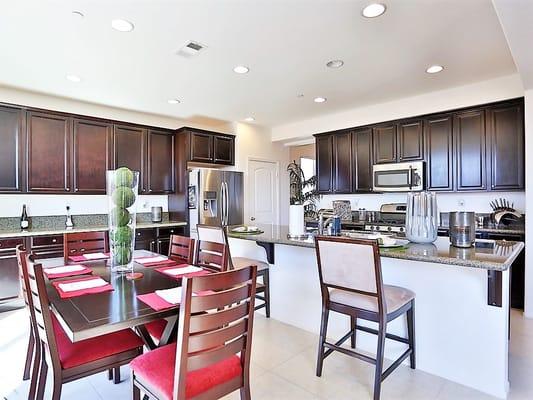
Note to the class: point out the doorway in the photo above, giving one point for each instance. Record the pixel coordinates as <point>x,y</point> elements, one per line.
<point>263,191</point>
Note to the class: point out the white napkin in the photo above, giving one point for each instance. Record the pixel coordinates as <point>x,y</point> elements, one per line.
<point>89,283</point>
<point>94,256</point>
<point>172,296</point>
<point>63,269</point>
<point>182,271</point>
<point>151,259</point>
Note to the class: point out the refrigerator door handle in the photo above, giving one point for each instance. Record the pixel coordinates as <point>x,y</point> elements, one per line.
<point>226,204</point>
<point>222,203</point>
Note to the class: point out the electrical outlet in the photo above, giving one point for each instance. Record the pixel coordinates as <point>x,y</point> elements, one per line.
<point>461,202</point>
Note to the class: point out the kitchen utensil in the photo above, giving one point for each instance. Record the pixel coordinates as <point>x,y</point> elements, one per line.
<point>462,228</point>
<point>421,220</point>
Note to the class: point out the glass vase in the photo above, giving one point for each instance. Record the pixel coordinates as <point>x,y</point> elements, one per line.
<point>421,220</point>
<point>122,192</point>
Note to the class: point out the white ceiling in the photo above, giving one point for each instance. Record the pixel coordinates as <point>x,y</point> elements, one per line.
<point>286,44</point>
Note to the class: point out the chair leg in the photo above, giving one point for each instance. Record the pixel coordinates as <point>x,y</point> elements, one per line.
<point>353,324</point>
<point>136,392</point>
<point>116,375</point>
<point>35,370</point>
<point>110,374</point>
<point>29,356</point>
<point>266,281</point>
<point>58,384</point>
<point>411,334</point>
<point>323,332</point>
<point>43,371</point>
<point>245,393</point>
<point>382,331</point>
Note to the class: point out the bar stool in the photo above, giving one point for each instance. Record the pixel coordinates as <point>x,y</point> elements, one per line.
<point>351,283</point>
<point>218,234</point>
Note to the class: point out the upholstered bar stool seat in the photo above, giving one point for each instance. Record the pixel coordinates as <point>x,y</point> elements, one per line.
<point>395,298</point>
<point>240,262</point>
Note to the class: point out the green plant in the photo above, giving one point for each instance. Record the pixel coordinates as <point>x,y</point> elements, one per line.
<point>298,193</point>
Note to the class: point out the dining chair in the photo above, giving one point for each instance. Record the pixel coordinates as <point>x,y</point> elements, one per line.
<point>351,283</point>
<point>218,234</point>
<point>212,256</point>
<point>80,243</point>
<point>214,326</point>
<point>181,250</point>
<point>71,360</point>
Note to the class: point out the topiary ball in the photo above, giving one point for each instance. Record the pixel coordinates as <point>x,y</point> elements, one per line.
<point>122,236</point>
<point>123,177</point>
<point>122,255</point>
<point>123,197</point>
<point>120,217</point>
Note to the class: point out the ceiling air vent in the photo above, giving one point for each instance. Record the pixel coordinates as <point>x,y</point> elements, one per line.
<point>191,49</point>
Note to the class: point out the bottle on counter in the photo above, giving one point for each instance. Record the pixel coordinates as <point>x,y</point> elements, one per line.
<point>24,221</point>
<point>68,222</point>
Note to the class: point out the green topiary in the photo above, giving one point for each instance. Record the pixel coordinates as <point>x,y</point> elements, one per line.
<point>122,255</point>
<point>123,197</point>
<point>122,235</point>
<point>120,217</point>
<point>123,177</point>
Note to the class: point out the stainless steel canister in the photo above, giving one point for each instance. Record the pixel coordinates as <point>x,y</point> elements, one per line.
<point>157,214</point>
<point>462,228</point>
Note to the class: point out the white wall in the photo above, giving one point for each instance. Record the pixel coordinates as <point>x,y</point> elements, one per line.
<point>463,96</point>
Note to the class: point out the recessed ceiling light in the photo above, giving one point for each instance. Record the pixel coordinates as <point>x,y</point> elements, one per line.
<point>335,63</point>
<point>73,78</point>
<point>78,14</point>
<point>122,25</point>
<point>434,69</point>
<point>320,99</point>
<point>173,101</point>
<point>241,69</point>
<point>374,10</point>
<point>249,119</point>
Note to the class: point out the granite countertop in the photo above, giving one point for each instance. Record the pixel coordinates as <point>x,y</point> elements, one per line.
<point>80,228</point>
<point>487,254</point>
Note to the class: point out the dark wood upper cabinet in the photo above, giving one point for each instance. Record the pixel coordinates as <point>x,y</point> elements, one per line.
<point>324,163</point>
<point>439,152</point>
<point>129,150</point>
<point>48,152</point>
<point>160,173</point>
<point>342,163</point>
<point>411,140</point>
<point>223,149</point>
<point>92,155</point>
<point>505,127</point>
<point>362,160</point>
<point>201,147</point>
<point>11,149</point>
<point>385,144</point>
<point>470,147</point>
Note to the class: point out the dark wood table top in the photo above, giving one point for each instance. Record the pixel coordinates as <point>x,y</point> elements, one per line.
<point>93,315</point>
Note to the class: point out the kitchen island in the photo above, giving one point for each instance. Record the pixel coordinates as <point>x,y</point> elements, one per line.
<point>462,301</point>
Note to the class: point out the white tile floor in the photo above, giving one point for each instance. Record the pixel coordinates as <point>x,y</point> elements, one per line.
<point>283,365</point>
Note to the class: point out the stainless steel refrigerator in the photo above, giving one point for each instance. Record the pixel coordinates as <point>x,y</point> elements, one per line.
<point>215,197</point>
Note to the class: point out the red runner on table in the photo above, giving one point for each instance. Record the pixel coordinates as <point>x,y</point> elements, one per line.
<point>54,275</point>
<point>75,293</point>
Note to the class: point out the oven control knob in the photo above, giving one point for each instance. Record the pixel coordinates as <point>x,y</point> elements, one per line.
<point>389,229</point>
<point>402,229</point>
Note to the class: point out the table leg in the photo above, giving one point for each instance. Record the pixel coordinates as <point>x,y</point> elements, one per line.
<point>170,330</point>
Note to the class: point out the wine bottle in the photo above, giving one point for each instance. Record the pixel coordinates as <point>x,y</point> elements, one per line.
<point>24,222</point>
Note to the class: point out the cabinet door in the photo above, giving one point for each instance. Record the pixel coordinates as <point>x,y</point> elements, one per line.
<point>324,164</point>
<point>439,153</point>
<point>202,147</point>
<point>160,174</point>
<point>129,145</point>
<point>411,140</point>
<point>505,127</point>
<point>362,156</point>
<point>9,272</point>
<point>92,155</point>
<point>163,245</point>
<point>342,162</point>
<point>48,163</point>
<point>384,138</point>
<point>224,150</point>
<point>11,137</point>
<point>470,137</point>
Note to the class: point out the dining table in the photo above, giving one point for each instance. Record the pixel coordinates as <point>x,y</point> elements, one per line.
<point>94,315</point>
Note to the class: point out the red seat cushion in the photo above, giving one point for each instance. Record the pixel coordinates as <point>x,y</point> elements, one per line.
<point>156,328</point>
<point>79,353</point>
<point>157,367</point>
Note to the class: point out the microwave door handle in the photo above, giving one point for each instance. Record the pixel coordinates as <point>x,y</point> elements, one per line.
<point>410,178</point>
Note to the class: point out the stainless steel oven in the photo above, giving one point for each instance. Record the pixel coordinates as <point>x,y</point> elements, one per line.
<point>399,177</point>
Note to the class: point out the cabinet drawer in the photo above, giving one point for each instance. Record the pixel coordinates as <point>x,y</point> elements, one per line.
<point>8,245</point>
<point>167,232</point>
<point>52,240</point>
<point>145,234</point>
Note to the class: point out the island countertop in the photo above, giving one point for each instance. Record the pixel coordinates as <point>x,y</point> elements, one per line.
<point>495,255</point>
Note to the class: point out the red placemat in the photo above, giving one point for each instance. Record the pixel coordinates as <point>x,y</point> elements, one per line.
<point>51,274</point>
<point>83,258</point>
<point>155,301</point>
<point>81,292</point>
<point>189,274</point>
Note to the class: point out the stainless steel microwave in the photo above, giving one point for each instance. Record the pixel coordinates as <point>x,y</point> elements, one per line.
<point>399,177</point>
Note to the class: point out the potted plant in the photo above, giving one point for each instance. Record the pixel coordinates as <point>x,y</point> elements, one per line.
<point>303,198</point>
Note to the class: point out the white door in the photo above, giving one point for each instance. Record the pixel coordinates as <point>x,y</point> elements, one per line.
<point>263,192</point>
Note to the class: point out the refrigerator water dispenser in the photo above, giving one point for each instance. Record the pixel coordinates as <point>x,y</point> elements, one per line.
<point>210,204</point>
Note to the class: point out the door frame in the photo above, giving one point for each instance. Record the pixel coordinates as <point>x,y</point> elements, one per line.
<point>278,185</point>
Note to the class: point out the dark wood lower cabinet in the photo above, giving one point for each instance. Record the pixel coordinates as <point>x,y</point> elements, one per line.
<point>9,276</point>
<point>46,246</point>
<point>156,239</point>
